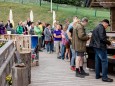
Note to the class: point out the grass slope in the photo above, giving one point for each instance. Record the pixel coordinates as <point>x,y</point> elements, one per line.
<point>21,13</point>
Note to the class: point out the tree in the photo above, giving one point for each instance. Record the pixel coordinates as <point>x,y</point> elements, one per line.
<point>70,2</point>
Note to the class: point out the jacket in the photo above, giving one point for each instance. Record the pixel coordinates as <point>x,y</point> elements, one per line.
<point>79,38</point>
<point>31,31</point>
<point>99,38</point>
<point>47,34</point>
<point>2,29</point>
<point>19,30</point>
<point>37,31</point>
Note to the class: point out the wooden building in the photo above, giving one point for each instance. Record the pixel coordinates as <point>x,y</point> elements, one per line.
<point>106,4</point>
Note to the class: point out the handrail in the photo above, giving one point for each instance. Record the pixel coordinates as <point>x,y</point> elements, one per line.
<point>2,68</point>
<point>7,45</point>
<point>6,60</point>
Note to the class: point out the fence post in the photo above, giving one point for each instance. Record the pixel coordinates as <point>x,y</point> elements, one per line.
<point>22,1</point>
<point>40,2</point>
<point>57,6</point>
<point>77,9</point>
<point>95,12</point>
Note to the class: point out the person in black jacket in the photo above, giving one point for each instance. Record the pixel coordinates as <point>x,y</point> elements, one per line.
<point>99,42</point>
<point>8,25</point>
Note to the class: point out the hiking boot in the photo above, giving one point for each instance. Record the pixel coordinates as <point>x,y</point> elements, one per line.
<point>78,74</point>
<point>82,72</point>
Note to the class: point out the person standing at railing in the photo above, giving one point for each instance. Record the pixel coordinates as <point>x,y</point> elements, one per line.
<point>32,29</point>
<point>25,30</point>
<point>19,29</point>
<point>40,26</point>
<point>38,32</point>
<point>8,25</point>
<point>2,28</point>
<point>28,24</point>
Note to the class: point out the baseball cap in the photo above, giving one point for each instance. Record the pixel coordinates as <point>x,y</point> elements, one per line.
<point>107,21</point>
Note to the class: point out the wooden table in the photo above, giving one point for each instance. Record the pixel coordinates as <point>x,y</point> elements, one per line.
<point>111,60</point>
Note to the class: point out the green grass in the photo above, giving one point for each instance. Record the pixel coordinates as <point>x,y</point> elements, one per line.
<point>21,13</point>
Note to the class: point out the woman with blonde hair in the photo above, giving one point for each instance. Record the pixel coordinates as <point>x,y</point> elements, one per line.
<point>66,42</point>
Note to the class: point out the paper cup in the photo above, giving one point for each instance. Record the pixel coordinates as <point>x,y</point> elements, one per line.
<point>8,32</point>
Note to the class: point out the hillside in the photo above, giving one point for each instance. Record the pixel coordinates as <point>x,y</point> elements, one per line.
<point>21,13</point>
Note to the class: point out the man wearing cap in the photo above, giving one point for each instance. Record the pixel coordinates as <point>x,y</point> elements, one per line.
<point>99,43</point>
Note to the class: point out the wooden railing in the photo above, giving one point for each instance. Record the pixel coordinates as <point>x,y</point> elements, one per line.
<point>6,61</point>
<point>22,42</point>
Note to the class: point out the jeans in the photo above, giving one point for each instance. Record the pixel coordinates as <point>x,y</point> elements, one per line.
<point>63,51</point>
<point>72,63</point>
<point>52,46</point>
<point>48,47</point>
<point>43,42</point>
<point>101,61</point>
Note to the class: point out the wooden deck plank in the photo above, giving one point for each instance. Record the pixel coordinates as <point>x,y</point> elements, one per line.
<point>55,72</point>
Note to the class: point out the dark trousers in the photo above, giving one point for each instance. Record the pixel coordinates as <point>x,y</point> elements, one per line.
<point>101,60</point>
<point>40,43</point>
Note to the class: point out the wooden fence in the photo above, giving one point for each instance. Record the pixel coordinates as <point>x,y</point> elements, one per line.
<point>6,61</point>
<point>22,42</point>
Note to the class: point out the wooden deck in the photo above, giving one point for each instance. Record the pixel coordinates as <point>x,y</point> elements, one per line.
<point>55,72</point>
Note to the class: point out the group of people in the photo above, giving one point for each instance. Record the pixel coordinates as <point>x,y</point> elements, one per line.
<point>69,42</point>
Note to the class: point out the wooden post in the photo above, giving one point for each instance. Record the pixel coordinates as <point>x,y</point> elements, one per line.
<point>112,17</point>
<point>26,59</point>
<point>20,76</point>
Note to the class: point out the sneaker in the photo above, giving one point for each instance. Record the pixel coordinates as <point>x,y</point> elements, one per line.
<point>48,52</point>
<point>59,57</point>
<point>107,80</point>
<point>73,68</point>
<point>84,73</point>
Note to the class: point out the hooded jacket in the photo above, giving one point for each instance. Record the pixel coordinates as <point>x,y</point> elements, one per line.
<point>79,38</point>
